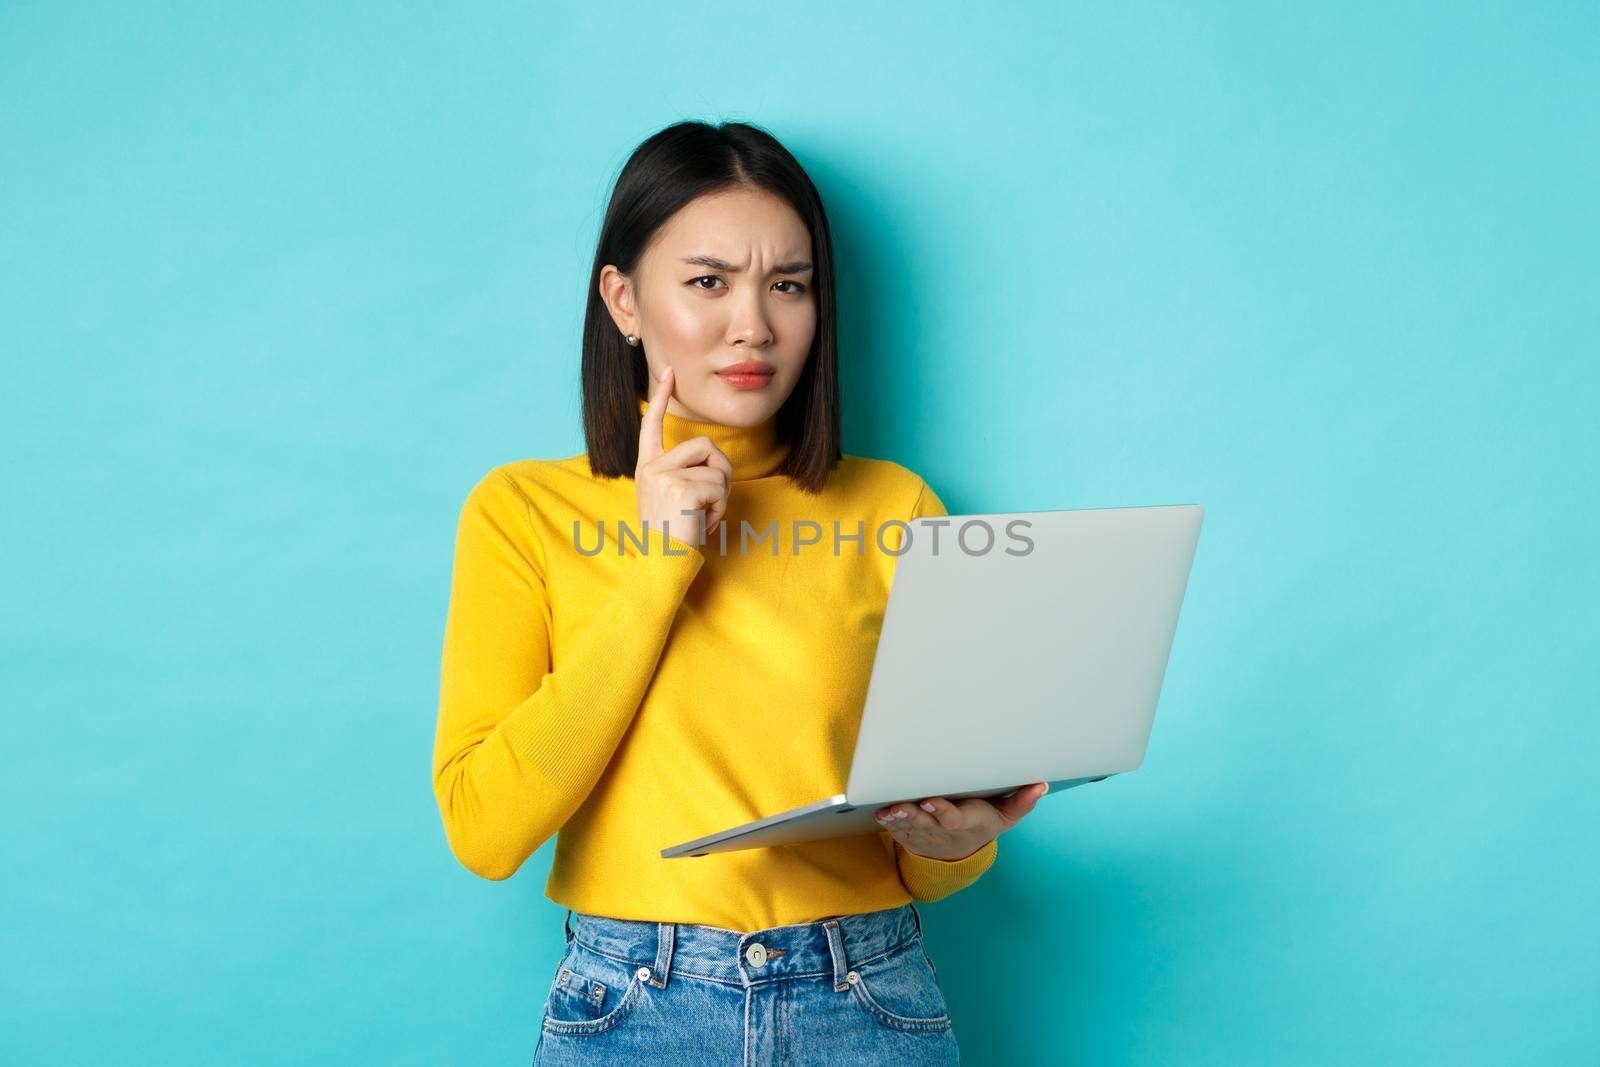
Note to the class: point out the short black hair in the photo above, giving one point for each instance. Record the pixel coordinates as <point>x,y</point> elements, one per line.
<point>668,170</point>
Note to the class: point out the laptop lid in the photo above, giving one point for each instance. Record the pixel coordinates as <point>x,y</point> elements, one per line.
<point>1036,641</point>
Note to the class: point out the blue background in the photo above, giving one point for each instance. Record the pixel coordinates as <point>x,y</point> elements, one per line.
<point>277,286</point>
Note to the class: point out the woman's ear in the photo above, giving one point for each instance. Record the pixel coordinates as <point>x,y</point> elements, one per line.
<point>616,289</point>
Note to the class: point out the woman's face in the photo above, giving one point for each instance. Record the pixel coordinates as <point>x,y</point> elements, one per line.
<point>725,281</point>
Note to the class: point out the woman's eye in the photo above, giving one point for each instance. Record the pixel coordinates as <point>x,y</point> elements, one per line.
<point>798,287</point>
<point>706,278</point>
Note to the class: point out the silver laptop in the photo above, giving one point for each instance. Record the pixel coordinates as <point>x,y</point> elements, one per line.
<point>1021,647</point>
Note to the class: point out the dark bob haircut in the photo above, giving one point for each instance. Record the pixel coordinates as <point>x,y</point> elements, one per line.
<point>680,163</point>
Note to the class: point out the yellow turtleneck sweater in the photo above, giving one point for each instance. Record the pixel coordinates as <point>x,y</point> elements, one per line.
<point>640,697</point>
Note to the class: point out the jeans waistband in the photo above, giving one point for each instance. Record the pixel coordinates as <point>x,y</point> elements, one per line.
<point>828,947</point>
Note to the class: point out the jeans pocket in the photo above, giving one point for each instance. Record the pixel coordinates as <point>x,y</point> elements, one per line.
<point>591,993</point>
<point>900,991</point>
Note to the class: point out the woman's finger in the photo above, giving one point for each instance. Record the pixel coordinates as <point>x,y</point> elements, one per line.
<point>945,813</point>
<point>1014,807</point>
<point>699,451</point>
<point>714,514</point>
<point>913,819</point>
<point>714,475</point>
<point>650,427</point>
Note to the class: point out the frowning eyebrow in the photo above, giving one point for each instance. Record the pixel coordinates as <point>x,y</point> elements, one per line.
<point>796,266</point>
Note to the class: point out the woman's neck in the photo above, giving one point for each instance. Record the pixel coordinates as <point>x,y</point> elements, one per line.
<point>755,451</point>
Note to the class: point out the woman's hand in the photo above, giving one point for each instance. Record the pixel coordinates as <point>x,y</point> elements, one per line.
<point>942,830</point>
<point>693,475</point>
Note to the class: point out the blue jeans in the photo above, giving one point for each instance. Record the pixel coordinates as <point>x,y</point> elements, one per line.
<point>854,989</point>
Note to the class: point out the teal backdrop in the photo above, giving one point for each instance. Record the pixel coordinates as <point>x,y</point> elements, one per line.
<point>279,282</point>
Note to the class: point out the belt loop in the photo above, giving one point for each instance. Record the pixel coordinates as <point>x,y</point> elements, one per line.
<point>665,933</point>
<point>917,915</point>
<point>836,949</point>
<point>566,925</point>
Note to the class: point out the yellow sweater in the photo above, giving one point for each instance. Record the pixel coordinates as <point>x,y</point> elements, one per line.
<point>642,696</point>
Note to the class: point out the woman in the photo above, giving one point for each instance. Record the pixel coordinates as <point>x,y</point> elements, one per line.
<point>672,633</point>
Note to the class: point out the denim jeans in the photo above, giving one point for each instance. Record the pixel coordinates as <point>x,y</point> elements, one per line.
<point>853,989</point>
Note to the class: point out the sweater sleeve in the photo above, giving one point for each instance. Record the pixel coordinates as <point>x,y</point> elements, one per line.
<point>925,878</point>
<point>928,879</point>
<point>520,743</point>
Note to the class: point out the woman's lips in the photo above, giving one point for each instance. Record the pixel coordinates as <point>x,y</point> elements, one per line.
<point>748,375</point>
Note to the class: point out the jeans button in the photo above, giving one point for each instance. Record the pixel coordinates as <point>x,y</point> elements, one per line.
<point>756,954</point>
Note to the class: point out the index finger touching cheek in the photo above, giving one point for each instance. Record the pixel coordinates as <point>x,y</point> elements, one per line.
<point>650,428</point>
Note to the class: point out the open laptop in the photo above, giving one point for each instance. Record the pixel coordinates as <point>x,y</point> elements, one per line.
<point>1039,659</point>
